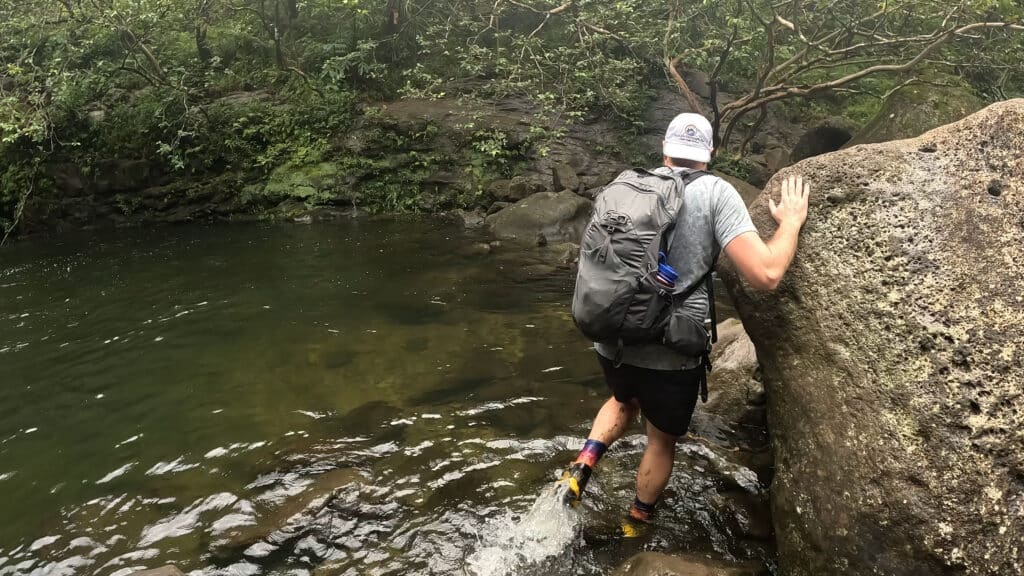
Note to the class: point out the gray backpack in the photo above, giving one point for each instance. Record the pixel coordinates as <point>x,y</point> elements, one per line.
<point>618,299</point>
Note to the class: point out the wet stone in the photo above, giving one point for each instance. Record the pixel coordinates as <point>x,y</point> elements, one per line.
<point>563,177</point>
<point>658,564</point>
<point>285,521</point>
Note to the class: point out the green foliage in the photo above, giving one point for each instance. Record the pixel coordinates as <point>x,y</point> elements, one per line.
<point>17,181</point>
<point>250,86</point>
<point>732,164</point>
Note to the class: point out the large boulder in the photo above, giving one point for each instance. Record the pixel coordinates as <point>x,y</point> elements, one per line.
<point>734,391</point>
<point>915,109</point>
<point>891,357</point>
<point>545,217</point>
<point>747,191</point>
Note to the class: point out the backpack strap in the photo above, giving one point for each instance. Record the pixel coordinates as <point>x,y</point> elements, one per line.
<point>712,311</point>
<point>708,280</point>
<point>685,180</point>
<point>705,359</point>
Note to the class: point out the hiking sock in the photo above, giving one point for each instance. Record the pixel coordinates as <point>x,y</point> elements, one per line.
<point>591,453</point>
<point>641,511</point>
<point>578,473</point>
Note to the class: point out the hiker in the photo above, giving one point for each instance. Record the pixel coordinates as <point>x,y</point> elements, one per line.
<point>658,367</point>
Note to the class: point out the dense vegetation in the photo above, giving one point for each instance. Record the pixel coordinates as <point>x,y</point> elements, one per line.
<point>213,87</point>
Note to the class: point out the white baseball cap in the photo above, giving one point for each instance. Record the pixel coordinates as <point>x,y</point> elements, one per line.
<point>689,137</point>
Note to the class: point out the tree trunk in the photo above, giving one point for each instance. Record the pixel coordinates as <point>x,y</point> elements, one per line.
<point>394,16</point>
<point>203,51</point>
<point>202,46</point>
<point>278,49</point>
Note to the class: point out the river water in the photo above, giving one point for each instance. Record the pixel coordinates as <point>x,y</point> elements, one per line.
<point>364,397</point>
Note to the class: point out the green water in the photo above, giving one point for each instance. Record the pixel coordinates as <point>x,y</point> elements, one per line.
<point>365,397</point>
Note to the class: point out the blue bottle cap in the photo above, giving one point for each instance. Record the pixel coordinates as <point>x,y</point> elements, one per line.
<point>668,272</point>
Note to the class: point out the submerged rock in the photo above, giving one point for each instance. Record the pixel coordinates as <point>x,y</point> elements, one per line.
<point>658,564</point>
<point>559,217</point>
<point>289,519</point>
<point>890,354</point>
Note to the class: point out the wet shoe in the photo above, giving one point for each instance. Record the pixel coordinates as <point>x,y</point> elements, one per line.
<point>633,528</point>
<point>572,483</point>
<point>613,534</point>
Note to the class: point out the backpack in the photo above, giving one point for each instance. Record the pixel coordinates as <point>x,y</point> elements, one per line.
<point>618,299</point>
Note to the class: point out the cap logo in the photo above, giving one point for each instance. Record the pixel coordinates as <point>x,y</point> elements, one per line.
<point>689,136</point>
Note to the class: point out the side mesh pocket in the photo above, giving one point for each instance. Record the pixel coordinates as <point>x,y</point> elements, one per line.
<point>604,288</point>
<point>646,315</point>
<point>686,333</point>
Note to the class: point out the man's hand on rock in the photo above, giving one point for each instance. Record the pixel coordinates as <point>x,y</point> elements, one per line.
<point>792,206</point>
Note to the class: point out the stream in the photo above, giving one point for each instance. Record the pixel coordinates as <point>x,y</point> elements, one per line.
<point>359,397</point>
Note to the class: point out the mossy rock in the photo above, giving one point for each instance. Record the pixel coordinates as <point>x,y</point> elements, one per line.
<point>310,184</point>
<point>916,109</point>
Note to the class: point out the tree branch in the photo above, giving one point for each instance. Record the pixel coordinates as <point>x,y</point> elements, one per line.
<point>553,11</point>
<point>19,211</point>
<point>305,79</point>
<point>691,98</point>
<point>735,110</point>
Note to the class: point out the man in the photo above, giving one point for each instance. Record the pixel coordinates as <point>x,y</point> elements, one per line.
<point>653,379</point>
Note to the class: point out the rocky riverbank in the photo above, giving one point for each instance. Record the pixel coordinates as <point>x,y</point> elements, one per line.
<point>876,429</point>
<point>411,155</point>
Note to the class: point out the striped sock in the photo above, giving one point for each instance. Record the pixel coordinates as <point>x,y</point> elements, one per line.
<point>591,453</point>
<point>641,511</point>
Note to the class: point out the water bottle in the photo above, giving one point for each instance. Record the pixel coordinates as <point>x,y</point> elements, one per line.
<point>666,275</point>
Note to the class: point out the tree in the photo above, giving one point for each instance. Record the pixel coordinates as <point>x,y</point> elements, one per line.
<point>781,49</point>
<point>809,49</point>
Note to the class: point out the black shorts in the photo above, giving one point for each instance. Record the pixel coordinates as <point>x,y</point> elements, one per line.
<point>667,397</point>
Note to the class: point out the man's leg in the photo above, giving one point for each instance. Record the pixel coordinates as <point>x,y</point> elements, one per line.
<point>612,420</point>
<point>653,474</point>
<point>610,424</point>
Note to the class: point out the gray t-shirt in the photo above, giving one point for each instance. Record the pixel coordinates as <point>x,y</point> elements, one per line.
<point>713,214</point>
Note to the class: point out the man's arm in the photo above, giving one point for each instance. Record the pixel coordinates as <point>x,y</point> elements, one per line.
<point>763,264</point>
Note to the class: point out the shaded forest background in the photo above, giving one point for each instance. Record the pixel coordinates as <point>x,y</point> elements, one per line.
<point>208,88</point>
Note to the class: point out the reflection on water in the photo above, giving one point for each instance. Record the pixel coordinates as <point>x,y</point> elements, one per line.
<point>360,398</point>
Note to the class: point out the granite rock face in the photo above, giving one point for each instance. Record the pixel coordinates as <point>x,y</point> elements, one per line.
<point>891,356</point>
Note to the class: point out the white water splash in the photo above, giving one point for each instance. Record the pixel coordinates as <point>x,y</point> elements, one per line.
<point>546,533</point>
<point>116,473</point>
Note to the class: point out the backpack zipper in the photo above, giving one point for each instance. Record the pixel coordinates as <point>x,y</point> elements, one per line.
<point>661,198</point>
